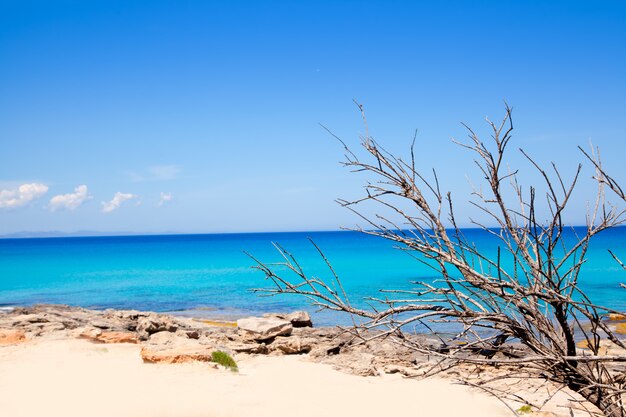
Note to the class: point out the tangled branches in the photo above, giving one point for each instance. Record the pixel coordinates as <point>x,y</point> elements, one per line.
<point>527,293</point>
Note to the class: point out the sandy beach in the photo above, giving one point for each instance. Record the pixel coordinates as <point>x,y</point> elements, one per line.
<point>78,378</point>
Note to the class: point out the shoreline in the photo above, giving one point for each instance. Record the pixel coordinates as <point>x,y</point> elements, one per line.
<point>67,348</point>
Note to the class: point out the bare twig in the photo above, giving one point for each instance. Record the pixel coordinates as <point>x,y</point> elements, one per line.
<point>528,292</point>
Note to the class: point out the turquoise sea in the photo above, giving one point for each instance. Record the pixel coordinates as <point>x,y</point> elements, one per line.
<point>209,275</point>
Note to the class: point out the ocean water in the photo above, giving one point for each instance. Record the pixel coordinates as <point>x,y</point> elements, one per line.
<point>210,275</point>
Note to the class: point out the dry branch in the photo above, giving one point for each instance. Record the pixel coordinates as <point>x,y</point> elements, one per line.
<point>536,302</point>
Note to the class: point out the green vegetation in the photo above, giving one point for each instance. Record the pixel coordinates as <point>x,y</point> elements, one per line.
<point>525,409</point>
<point>225,360</point>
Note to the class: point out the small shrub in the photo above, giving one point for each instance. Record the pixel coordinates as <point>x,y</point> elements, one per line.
<point>224,359</point>
<point>525,409</point>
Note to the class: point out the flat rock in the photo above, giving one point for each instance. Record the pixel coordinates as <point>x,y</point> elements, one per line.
<point>101,324</point>
<point>297,318</point>
<point>263,328</point>
<point>26,319</point>
<point>11,336</point>
<point>38,329</point>
<point>97,335</point>
<point>250,348</point>
<point>292,345</point>
<point>118,337</point>
<point>126,315</point>
<point>168,347</point>
<point>181,354</point>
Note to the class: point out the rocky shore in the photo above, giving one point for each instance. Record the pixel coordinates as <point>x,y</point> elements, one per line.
<point>170,339</point>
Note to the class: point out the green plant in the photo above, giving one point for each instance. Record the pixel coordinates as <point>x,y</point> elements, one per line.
<point>525,409</point>
<point>224,359</point>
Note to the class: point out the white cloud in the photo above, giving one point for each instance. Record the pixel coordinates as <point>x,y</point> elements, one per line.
<point>165,197</point>
<point>117,201</point>
<point>23,195</point>
<point>69,201</point>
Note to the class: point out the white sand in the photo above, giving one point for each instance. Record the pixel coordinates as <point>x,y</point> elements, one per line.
<point>76,378</point>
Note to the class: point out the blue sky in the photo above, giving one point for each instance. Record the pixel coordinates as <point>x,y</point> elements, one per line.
<point>199,116</point>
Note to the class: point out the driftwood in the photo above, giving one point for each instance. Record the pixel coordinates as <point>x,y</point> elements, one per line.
<point>527,293</point>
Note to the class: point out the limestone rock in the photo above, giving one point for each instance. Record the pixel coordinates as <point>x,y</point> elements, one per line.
<point>97,335</point>
<point>300,319</point>
<point>166,338</point>
<point>191,334</point>
<point>45,328</point>
<point>297,318</point>
<point>291,345</point>
<point>90,333</point>
<point>182,354</point>
<point>263,328</point>
<point>26,319</point>
<point>125,315</point>
<point>402,370</point>
<point>118,337</point>
<point>101,324</point>
<point>168,347</point>
<point>363,365</point>
<point>328,341</point>
<point>153,324</point>
<point>123,319</point>
<point>11,336</point>
<point>257,348</point>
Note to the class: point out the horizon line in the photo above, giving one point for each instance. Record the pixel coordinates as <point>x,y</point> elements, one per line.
<point>90,233</point>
